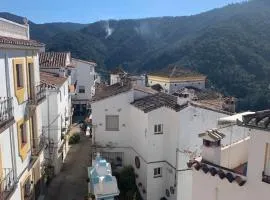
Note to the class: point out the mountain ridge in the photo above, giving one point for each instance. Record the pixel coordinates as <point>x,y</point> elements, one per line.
<point>230,45</point>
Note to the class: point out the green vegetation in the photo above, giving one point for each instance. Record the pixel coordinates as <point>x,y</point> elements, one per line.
<point>127,184</point>
<point>230,45</point>
<point>74,139</point>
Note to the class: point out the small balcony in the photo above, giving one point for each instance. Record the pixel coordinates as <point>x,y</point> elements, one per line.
<point>38,145</point>
<point>265,178</point>
<point>6,112</point>
<point>7,184</point>
<point>38,94</point>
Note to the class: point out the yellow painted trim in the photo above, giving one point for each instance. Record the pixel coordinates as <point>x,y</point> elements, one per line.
<point>176,79</point>
<point>27,176</point>
<point>19,92</point>
<point>29,60</point>
<point>23,149</point>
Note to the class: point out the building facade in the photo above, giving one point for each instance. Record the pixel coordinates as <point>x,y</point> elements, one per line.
<point>237,171</point>
<point>21,96</point>
<point>85,78</point>
<point>56,118</point>
<point>174,79</point>
<point>154,132</point>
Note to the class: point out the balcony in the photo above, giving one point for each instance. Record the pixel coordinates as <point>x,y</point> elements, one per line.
<point>38,94</point>
<point>7,183</point>
<point>6,112</point>
<point>265,178</point>
<point>38,145</point>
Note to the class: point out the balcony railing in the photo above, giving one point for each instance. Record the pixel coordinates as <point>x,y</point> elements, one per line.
<point>265,178</point>
<point>7,184</point>
<point>38,94</point>
<point>38,145</point>
<point>6,110</point>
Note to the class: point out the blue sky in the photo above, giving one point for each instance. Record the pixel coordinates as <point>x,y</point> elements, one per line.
<point>41,11</point>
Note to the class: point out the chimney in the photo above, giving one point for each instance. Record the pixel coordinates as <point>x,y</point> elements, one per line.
<point>229,104</point>
<point>62,72</point>
<point>211,150</point>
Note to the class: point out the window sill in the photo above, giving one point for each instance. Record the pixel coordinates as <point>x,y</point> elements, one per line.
<point>157,176</point>
<point>112,130</point>
<point>158,133</point>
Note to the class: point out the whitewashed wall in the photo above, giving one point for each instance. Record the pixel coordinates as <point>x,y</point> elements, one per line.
<point>85,74</point>
<point>115,105</point>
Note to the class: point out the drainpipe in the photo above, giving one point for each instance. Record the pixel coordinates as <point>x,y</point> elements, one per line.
<point>11,128</point>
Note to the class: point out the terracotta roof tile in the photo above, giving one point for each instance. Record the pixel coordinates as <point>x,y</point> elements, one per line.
<point>20,42</point>
<point>112,90</point>
<point>53,59</point>
<point>52,79</point>
<point>150,103</point>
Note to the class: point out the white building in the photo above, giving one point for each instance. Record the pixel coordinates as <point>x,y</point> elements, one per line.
<point>117,75</point>
<point>84,77</point>
<point>101,182</point>
<point>173,79</point>
<point>56,117</point>
<point>154,132</point>
<point>240,171</point>
<point>21,97</point>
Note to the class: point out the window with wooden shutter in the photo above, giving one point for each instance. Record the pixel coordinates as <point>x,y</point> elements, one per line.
<point>112,123</point>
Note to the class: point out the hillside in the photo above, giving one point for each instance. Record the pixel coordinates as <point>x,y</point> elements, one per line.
<point>231,45</point>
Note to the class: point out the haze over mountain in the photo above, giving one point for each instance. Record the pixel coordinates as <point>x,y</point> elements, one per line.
<point>231,45</point>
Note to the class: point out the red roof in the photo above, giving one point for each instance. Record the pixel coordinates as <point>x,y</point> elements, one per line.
<point>20,42</point>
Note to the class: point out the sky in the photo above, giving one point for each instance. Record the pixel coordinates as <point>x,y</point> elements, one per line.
<point>87,11</point>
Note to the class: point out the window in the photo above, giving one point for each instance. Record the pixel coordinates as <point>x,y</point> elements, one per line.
<point>81,89</point>
<point>27,188</point>
<point>157,172</point>
<point>23,134</point>
<point>19,75</point>
<point>69,72</point>
<point>112,123</point>
<point>158,129</point>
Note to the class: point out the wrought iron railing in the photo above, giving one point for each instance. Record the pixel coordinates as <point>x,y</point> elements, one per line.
<point>38,144</point>
<point>265,178</point>
<point>38,94</point>
<point>7,184</point>
<point>6,110</point>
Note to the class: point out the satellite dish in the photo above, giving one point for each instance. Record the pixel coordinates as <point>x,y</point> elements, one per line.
<point>25,21</point>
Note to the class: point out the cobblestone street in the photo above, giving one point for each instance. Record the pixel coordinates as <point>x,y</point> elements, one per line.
<point>70,183</point>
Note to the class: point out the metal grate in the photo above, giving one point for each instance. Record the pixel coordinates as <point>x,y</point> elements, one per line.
<point>6,109</point>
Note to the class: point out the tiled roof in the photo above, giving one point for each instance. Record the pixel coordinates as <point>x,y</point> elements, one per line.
<point>52,79</point>
<point>20,42</point>
<point>212,135</point>
<point>218,171</point>
<point>173,72</point>
<point>208,99</point>
<point>260,119</point>
<point>144,89</point>
<point>53,59</point>
<point>112,90</point>
<point>150,103</point>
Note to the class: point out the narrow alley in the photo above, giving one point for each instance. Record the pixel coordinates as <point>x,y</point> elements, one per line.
<point>70,183</point>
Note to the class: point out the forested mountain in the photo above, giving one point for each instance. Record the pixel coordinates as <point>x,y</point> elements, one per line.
<point>231,45</point>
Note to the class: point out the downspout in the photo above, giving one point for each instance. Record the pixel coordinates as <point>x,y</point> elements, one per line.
<point>11,128</point>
